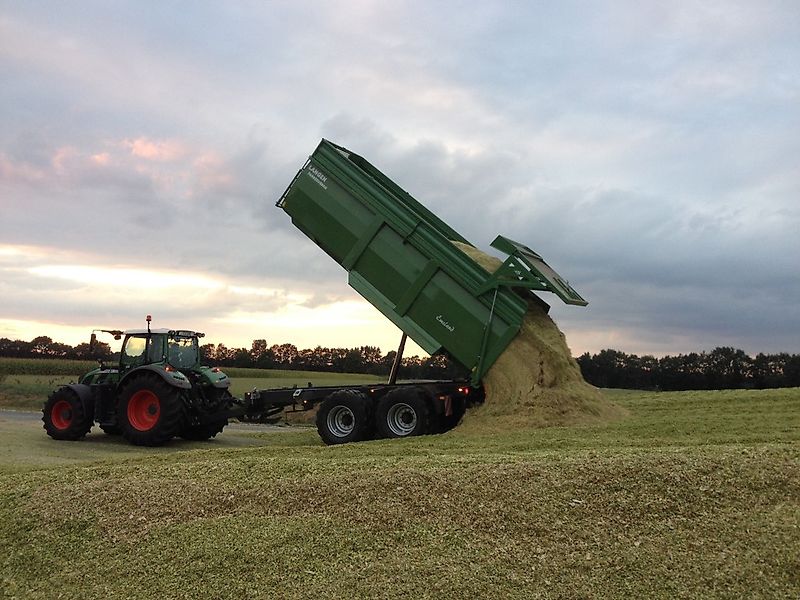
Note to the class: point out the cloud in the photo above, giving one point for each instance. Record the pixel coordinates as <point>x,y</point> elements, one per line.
<point>156,150</point>
<point>647,151</point>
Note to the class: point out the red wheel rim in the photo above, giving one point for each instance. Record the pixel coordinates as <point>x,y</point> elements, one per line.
<point>144,408</point>
<point>61,414</point>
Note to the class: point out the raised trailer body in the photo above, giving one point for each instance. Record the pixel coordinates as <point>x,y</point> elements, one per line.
<point>401,258</point>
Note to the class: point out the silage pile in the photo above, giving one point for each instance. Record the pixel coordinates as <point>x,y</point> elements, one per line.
<point>535,382</point>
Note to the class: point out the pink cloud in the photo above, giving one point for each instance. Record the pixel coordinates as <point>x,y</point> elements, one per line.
<point>11,171</point>
<point>155,150</point>
<point>211,172</point>
<point>102,159</point>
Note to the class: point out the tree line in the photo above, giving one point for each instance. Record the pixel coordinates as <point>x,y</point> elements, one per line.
<point>722,368</point>
<point>363,359</point>
<point>260,355</point>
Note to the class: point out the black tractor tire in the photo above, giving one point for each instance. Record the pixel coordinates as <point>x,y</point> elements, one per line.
<point>344,417</point>
<point>444,423</point>
<point>65,417</point>
<point>150,411</point>
<point>403,412</point>
<point>111,429</point>
<point>200,433</point>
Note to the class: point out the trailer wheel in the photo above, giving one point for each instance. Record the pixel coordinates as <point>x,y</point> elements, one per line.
<point>344,417</point>
<point>150,411</point>
<point>403,412</point>
<point>65,417</point>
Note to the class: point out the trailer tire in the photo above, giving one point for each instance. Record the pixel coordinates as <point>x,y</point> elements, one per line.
<point>150,411</point>
<point>344,417</point>
<point>65,417</point>
<point>403,412</point>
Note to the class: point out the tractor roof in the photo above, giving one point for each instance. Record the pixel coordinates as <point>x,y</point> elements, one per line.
<point>181,332</point>
<point>141,331</point>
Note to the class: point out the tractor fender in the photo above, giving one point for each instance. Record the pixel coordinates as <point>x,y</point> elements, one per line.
<point>173,378</point>
<point>214,377</point>
<point>84,393</point>
<point>222,385</point>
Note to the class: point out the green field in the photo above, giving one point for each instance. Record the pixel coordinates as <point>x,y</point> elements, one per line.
<point>694,495</point>
<point>26,383</point>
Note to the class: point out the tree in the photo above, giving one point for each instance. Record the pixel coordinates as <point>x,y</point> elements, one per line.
<point>727,368</point>
<point>285,354</point>
<point>83,351</point>
<point>241,357</point>
<point>261,355</point>
<point>207,353</point>
<point>40,346</point>
<point>791,371</point>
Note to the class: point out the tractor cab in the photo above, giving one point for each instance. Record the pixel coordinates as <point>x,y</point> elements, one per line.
<point>173,354</point>
<point>178,349</point>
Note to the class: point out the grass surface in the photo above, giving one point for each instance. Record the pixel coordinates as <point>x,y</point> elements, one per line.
<point>693,495</point>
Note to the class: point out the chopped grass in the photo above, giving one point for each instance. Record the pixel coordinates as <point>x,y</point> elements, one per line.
<point>695,494</point>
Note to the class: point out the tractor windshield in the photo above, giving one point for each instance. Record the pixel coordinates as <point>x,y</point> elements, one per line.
<point>183,352</point>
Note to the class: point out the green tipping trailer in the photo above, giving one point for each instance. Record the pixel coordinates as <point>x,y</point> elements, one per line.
<point>401,258</point>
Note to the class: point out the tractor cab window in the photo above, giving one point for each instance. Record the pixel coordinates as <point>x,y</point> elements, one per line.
<point>133,351</point>
<point>156,351</point>
<point>183,352</point>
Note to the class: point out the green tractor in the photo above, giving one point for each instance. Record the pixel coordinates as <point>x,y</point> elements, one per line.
<point>158,390</point>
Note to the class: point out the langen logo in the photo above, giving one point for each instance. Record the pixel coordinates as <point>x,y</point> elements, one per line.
<point>318,176</point>
<point>446,325</point>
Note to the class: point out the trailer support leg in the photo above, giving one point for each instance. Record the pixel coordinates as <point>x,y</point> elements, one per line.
<point>397,360</point>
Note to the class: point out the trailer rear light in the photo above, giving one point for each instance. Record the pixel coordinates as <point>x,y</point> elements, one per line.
<point>215,369</point>
<point>463,390</point>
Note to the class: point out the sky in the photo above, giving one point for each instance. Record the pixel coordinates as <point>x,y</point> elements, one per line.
<point>649,151</point>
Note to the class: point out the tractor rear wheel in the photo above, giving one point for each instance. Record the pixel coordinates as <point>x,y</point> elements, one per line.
<point>344,417</point>
<point>150,411</point>
<point>65,417</point>
<point>403,412</point>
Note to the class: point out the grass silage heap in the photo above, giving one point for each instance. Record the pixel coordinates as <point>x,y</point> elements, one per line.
<point>535,382</point>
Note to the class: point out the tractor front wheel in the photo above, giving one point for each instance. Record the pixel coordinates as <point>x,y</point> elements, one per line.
<point>150,411</point>
<point>200,433</point>
<point>65,417</point>
<point>206,431</point>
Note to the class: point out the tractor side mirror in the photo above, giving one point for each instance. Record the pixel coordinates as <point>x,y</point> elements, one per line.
<point>92,342</point>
